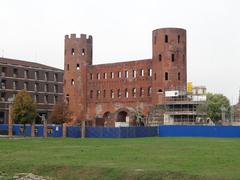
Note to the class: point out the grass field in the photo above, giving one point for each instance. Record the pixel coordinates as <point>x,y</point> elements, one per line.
<point>141,158</point>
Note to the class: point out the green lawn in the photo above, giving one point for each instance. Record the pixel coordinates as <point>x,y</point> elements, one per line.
<point>141,158</point>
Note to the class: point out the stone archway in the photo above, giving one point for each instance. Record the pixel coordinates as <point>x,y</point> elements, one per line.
<point>122,116</point>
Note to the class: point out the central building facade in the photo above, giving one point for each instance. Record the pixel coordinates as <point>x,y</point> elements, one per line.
<point>108,93</point>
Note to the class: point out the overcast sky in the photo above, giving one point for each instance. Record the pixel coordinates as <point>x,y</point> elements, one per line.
<point>34,31</point>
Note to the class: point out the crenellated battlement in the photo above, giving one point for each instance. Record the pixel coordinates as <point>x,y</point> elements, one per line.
<point>82,36</point>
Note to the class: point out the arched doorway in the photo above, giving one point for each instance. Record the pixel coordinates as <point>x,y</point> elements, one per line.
<point>121,116</point>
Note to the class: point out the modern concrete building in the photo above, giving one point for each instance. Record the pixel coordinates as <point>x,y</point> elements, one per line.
<point>44,83</point>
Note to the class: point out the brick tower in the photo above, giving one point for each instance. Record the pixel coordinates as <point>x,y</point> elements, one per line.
<point>168,61</point>
<point>77,57</point>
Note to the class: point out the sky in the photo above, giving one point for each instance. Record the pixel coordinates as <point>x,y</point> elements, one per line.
<point>34,31</point>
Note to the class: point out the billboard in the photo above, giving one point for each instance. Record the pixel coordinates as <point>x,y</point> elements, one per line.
<point>171,93</point>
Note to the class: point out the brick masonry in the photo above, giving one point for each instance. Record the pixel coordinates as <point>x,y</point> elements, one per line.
<point>107,93</point>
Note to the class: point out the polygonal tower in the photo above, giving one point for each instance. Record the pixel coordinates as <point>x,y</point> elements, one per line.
<point>78,55</point>
<point>168,61</point>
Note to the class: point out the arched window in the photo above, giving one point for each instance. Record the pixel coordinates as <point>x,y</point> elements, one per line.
<point>166,76</point>
<point>134,92</point>
<point>126,93</point>
<point>72,51</point>
<point>166,38</point>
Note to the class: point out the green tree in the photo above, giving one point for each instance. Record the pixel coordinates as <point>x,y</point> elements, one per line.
<point>60,113</point>
<point>214,106</point>
<point>24,110</point>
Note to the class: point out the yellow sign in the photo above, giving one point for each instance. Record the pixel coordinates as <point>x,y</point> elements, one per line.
<point>189,87</point>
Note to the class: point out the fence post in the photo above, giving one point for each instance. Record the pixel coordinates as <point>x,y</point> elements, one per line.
<point>45,128</point>
<point>10,122</point>
<point>83,128</point>
<point>33,129</point>
<point>64,131</point>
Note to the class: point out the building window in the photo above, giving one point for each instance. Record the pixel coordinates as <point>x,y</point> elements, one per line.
<point>67,98</point>
<point>112,75</point>
<point>119,74</point>
<point>126,93</point>
<point>104,93</point>
<point>26,74</point>
<point>98,93</point>
<point>178,38</point>
<point>173,58</point>
<point>105,75</point>
<point>119,94</point>
<point>55,88</point>
<point>150,72</point>
<point>55,77</point>
<point>72,82</point>
<point>15,73</point>
<point>179,76</point>
<point>166,76</point>
<point>3,96</point>
<point>46,88</point>
<point>68,67</point>
<point>160,90</point>
<point>141,92</point>
<point>46,76</point>
<point>3,84</point>
<point>14,85</point>
<point>83,52</point>
<point>36,87</point>
<point>46,99</point>
<point>72,52</point>
<point>141,72</point>
<point>166,38</point>
<point>160,57</point>
<point>25,86</point>
<point>4,70</point>
<point>36,75</point>
<point>91,94</point>
<point>55,99</point>
<point>112,94</point>
<point>134,92</point>
<point>149,91</point>
<point>134,73</point>
<point>98,76</point>
<point>126,74</point>
<point>78,67</point>
<point>91,76</point>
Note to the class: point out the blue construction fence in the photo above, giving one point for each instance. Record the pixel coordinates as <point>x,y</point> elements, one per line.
<point>128,132</point>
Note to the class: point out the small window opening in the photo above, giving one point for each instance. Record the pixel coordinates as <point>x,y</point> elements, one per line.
<point>112,94</point>
<point>134,73</point>
<point>112,75</point>
<point>91,76</point>
<point>179,76</point>
<point>160,90</point>
<point>67,98</point>
<point>105,75</point>
<point>160,57</point>
<point>83,52</point>
<point>166,38</point>
<point>141,92</point>
<point>119,74</point>
<point>98,93</point>
<point>173,57</point>
<point>119,94</point>
<point>126,74</point>
<point>68,67</point>
<point>98,76</point>
<point>150,72</point>
<point>126,93</point>
<point>78,67</point>
<point>72,82</point>
<point>178,38</point>
<point>166,76</point>
<point>141,72</point>
<point>72,51</point>
<point>134,92</point>
<point>149,91</point>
